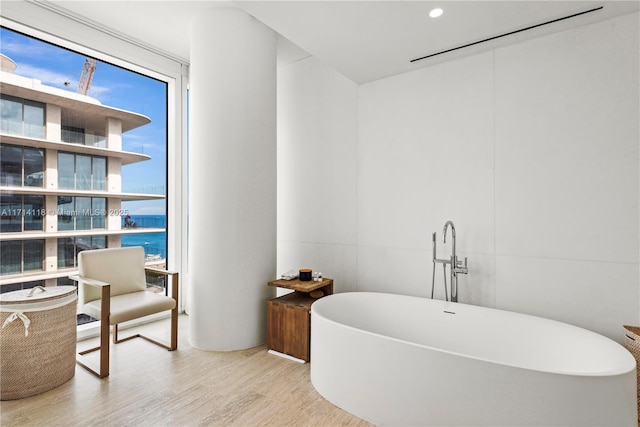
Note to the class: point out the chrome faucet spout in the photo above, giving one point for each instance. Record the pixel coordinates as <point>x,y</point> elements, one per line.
<point>453,235</point>
<point>444,231</point>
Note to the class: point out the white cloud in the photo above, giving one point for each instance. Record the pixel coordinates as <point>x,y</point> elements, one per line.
<point>140,144</point>
<point>97,91</point>
<point>59,80</point>
<point>67,81</point>
<point>31,49</point>
<point>47,77</point>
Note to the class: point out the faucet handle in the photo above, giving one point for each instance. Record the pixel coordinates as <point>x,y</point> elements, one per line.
<point>459,268</point>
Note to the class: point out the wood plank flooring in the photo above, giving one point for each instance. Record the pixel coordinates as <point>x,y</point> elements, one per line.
<point>149,386</point>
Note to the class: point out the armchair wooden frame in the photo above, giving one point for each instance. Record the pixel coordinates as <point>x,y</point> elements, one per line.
<point>102,370</point>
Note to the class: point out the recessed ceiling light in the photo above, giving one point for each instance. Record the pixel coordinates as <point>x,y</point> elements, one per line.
<point>435,12</point>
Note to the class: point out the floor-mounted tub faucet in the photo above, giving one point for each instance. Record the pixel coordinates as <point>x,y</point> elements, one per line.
<point>456,267</point>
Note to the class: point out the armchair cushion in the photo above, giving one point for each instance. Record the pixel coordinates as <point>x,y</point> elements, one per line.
<point>131,306</point>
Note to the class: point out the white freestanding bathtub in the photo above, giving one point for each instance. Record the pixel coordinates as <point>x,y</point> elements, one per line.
<point>400,360</point>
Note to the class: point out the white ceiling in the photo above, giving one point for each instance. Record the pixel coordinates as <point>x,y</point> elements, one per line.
<point>364,40</point>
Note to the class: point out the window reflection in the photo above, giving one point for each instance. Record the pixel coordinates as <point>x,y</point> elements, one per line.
<point>21,213</point>
<point>70,247</point>
<point>21,117</point>
<point>21,255</point>
<point>66,171</point>
<point>11,113</point>
<point>10,257</point>
<point>15,159</point>
<point>76,135</point>
<point>99,173</point>
<point>33,209</point>
<point>33,254</point>
<point>81,213</point>
<point>33,119</point>
<point>33,167</point>
<point>98,212</point>
<point>10,165</point>
<point>82,172</point>
<point>10,218</point>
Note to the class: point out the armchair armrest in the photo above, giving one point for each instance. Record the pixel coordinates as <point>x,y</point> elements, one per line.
<point>88,281</point>
<point>160,271</point>
<point>174,281</point>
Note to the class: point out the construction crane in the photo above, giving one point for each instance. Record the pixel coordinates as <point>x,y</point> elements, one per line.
<point>87,76</point>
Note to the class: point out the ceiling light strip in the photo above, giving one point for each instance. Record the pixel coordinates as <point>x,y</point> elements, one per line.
<point>509,33</point>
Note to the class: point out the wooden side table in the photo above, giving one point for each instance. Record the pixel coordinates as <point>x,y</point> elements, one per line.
<point>289,317</point>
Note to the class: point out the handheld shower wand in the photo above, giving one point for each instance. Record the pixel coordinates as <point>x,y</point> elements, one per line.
<point>433,274</point>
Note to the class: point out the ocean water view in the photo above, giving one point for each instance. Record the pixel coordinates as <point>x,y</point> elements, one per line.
<point>154,244</point>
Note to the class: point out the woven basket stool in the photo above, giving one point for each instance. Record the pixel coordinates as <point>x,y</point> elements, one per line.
<point>37,340</point>
<point>632,343</point>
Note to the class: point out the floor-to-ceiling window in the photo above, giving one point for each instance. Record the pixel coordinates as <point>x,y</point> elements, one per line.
<point>109,182</point>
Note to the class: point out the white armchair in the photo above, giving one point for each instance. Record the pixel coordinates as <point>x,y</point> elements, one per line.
<point>112,288</point>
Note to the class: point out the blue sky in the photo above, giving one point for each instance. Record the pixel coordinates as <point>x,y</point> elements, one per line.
<point>112,86</point>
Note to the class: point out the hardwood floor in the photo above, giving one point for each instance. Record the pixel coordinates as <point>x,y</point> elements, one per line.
<point>149,386</point>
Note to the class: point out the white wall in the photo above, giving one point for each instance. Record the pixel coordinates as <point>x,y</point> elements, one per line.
<point>316,172</point>
<point>532,150</point>
<point>567,176</point>
<point>425,155</point>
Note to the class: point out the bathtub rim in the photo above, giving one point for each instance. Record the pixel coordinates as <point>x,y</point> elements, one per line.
<point>611,373</point>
